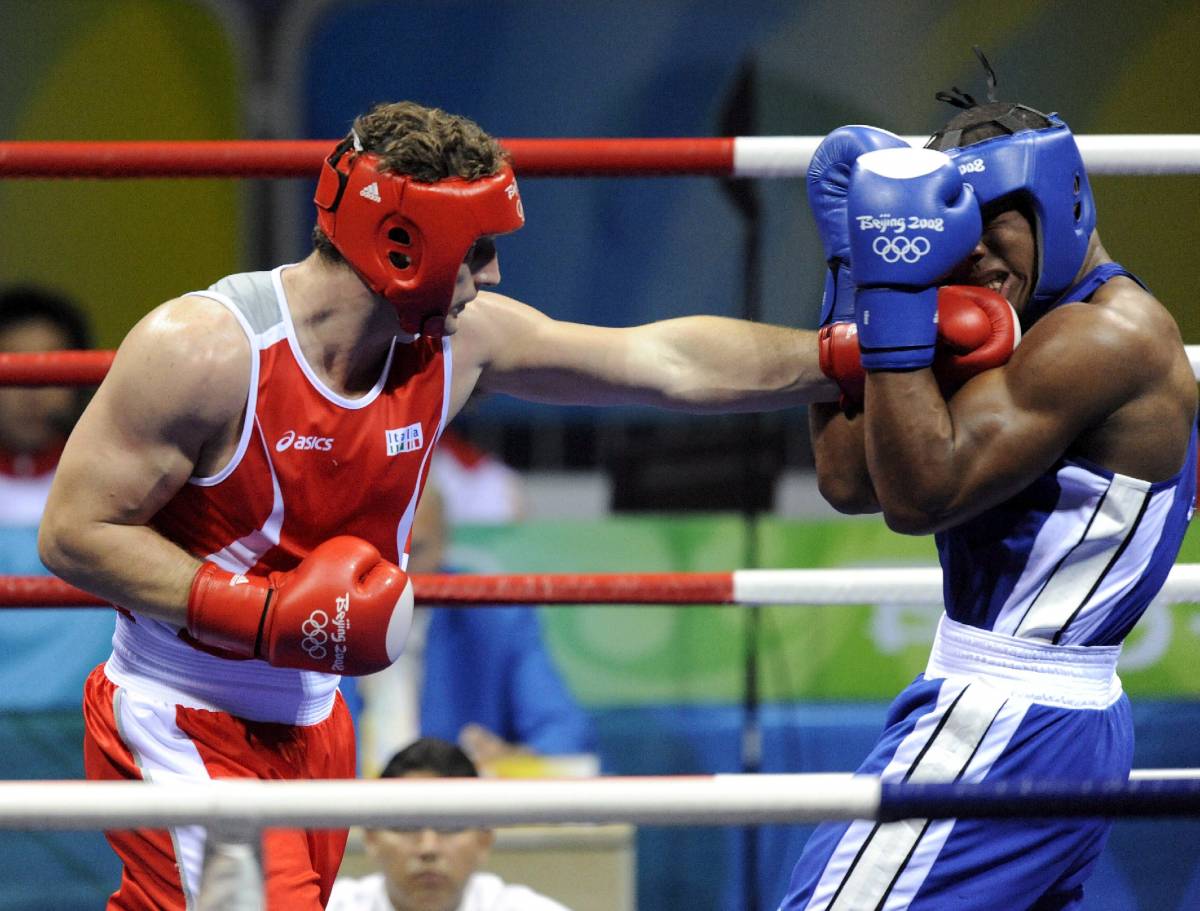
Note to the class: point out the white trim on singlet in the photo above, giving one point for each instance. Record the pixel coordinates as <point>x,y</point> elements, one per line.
<point>242,554</point>
<point>1081,569</point>
<point>256,346</point>
<point>294,343</point>
<point>406,520</point>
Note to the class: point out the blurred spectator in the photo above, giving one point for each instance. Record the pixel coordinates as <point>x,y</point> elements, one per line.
<point>481,676</point>
<point>35,420</point>
<point>432,869</point>
<point>34,423</point>
<point>476,486</point>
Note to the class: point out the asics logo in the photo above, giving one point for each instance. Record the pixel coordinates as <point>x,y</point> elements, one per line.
<point>292,440</point>
<point>894,249</point>
<point>315,636</point>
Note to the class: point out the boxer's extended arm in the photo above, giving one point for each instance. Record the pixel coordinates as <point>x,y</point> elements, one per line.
<point>936,464</point>
<point>179,379</point>
<point>697,363</point>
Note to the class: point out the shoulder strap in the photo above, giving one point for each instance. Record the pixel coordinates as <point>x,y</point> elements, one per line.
<point>1087,286</point>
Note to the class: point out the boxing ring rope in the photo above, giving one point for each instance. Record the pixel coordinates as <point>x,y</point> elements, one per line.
<point>251,805</point>
<point>888,586</point>
<point>739,156</point>
<point>87,368</point>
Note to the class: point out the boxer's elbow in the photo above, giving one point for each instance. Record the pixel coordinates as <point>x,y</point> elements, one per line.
<point>907,521</point>
<point>52,548</point>
<point>62,544</point>
<point>850,494</point>
<point>909,510</point>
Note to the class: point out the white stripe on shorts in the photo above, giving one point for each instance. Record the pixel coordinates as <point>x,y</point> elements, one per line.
<point>875,865</point>
<point>164,753</point>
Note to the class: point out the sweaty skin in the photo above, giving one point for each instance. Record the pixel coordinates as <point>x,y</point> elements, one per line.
<point>1107,380</point>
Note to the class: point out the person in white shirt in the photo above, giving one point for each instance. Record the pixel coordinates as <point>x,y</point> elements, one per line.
<point>432,869</point>
<point>477,487</point>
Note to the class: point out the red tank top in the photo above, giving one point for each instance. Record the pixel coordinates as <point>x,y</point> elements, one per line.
<point>309,465</point>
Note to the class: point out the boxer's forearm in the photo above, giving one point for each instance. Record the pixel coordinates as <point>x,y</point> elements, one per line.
<point>910,449</point>
<point>841,459</point>
<point>131,566</point>
<point>718,364</point>
<point>695,363</point>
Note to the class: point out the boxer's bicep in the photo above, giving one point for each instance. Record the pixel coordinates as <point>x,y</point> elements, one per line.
<point>936,467</point>
<point>179,379</point>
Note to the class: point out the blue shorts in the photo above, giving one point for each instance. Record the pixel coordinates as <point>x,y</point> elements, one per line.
<point>965,729</point>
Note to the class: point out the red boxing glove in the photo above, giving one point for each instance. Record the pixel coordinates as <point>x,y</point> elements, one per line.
<point>343,610</point>
<point>840,360</point>
<point>977,330</point>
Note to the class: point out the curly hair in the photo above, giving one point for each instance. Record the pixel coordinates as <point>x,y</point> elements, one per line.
<point>424,143</point>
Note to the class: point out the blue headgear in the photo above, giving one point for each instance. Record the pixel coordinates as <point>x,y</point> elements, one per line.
<point>1043,166</point>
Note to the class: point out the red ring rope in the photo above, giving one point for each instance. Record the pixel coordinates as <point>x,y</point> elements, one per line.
<point>301,158</point>
<point>55,368</point>
<point>545,588</point>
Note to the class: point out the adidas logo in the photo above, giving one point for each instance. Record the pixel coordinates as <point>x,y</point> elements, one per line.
<point>239,579</point>
<point>371,192</point>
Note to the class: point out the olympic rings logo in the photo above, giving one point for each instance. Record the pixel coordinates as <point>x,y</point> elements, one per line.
<point>315,636</point>
<point>894,249</point>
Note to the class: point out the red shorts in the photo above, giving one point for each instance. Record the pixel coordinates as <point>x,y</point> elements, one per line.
<point>128,736</point>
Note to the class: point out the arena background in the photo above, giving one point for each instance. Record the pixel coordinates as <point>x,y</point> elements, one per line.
<point>668,687</point>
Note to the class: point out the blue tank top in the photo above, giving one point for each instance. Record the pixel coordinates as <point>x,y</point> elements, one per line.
<point>1076,557</point>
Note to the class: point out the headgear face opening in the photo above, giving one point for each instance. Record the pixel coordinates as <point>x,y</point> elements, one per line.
<point>406,239</point>
<point>1044,167</point>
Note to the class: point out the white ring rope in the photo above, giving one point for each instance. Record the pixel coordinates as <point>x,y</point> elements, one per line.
<point>437,802</point>
<point>1104,154</point>
<point>241,804</point>
<point>908,585</point>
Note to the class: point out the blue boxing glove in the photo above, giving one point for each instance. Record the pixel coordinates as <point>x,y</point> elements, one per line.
<point>912,219</point>
<point>828,181</point>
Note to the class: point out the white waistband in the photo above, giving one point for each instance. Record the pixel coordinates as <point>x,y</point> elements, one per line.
<point>1070,676</point>
<point>149,658</point>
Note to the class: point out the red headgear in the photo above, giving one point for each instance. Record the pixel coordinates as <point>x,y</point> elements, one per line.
<point>404,238</point>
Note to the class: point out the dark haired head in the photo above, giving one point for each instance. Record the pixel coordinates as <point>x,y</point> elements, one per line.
<point>976,122</point>
<point>23,303</point>
<point>1015,157</point>
<point>985,121</point>
<point>429,754</point>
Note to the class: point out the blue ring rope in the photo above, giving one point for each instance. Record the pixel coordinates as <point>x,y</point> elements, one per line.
<point>1039,799</point>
